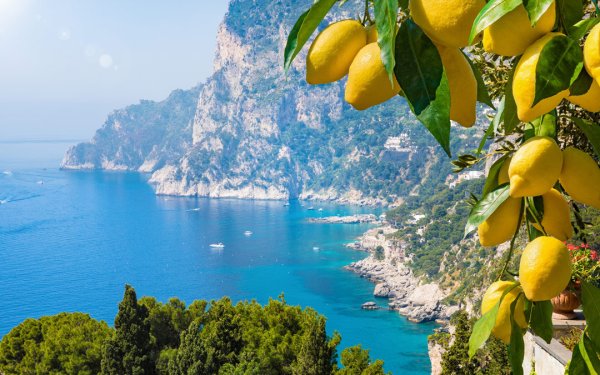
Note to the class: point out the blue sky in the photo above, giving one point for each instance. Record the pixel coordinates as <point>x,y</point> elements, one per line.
<point>65,64</point>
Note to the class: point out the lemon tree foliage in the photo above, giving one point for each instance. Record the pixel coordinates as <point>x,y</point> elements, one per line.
<point>537,62</point>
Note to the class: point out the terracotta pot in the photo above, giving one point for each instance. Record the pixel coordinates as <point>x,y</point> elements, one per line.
<point>564,304</point>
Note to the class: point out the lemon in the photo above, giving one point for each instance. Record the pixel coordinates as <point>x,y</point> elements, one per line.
<point>446,22</point>
<point>545,268</point>
<point>501,225</point>
<point>535,167</point>
<point>503,327</point>
<point>580,176</point>
<point>557,216</point>
<point>524,83</point>
<point>372,34</point>
<point>591,53</point>
<point>513,33</point>
<point>368,81</point>
<point>333,50</point>
<point>463,86</point>
<point>590,101</point>
<point>503,172</point>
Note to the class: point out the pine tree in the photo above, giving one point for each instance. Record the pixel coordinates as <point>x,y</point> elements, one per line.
<point>129,351</point>
<point>317,353</point>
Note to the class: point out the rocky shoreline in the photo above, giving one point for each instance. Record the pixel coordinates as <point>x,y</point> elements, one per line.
<point>352,219</point>
<point>386,267</point>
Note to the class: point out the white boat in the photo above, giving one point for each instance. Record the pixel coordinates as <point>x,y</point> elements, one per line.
<point>248,233</point>
<point>193,210</point>
<point>7,172</point>
<point>316,248</point>
<point>40,182</point>
<point>217,245</point>
<point>311,208</point>
<point>320,209</point>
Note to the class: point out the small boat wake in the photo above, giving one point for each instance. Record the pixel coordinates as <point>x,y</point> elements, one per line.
<point>7,173</point>
<point>193,210</point>
<point>248,233</point>
<point>217,245</point>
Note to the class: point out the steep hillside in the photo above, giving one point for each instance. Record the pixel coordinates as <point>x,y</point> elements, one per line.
<point>256,132</point>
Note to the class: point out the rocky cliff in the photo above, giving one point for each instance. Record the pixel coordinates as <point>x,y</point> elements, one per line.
<point>251,131</point>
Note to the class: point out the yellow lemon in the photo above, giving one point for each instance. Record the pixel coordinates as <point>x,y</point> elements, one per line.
<point>513,33</point>
<point>545,268</point>
<point>501,225</point>
<point>503,173</point>
<point>372,34</point>
<point>463,86</point>
<point>535,167</point>
<point>591,53</point>
<point>368,81</point>
<point>446,22</point>
<point>524,83</point>
<point>557,216</point>
<point>333,50</point>
<point>503,327</point>
<point>590,101</point>
<point>580,176</point>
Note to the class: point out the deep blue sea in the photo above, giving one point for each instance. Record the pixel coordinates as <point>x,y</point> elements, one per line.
<point>69,241</point>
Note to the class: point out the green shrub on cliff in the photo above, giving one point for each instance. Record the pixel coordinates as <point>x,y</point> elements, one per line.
<point>491,360</point>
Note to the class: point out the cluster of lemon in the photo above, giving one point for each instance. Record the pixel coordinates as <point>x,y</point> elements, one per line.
<point>349,48</point>
<point>545,267</point>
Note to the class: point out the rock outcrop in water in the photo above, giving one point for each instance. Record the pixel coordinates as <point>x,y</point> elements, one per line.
<point>251,131</point>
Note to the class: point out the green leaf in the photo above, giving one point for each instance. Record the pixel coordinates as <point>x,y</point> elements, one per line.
<point>582,27</point>
<point>419,66</point>
<point>482,93</point>
<point>591,309</point>
<point>541,320</point>
<point>558,67</point>
<point>304,28</point>
<point>582,84</point>
<point>510,117</point>
<point>536,9</point>
<point>482,329</point>
<point>492,12</point>
<point>569,12</point>
<point>436,117</point>
<point>516,348</point>
<point>486,207</point>
<point>484,139</point>
<point>589,354</point>
<point>386,13</point>
<point>491,182</point>
<point>577,365</point>
<point>484,325</point>
<point>499,117</point>
<point>545,126</point>
<point>591,131</point>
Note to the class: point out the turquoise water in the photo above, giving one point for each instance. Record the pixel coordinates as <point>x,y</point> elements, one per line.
<point>69,241</point>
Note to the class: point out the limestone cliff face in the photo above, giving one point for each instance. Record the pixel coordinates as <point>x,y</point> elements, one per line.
<point>141,137</point>
<point>256,132</point>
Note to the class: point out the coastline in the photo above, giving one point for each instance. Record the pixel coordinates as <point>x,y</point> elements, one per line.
<point>387,267</point>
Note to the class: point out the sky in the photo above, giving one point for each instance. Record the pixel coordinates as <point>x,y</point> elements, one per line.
<point>66,64</point>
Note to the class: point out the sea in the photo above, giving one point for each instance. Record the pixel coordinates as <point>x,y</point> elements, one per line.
<point>71,240</point>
